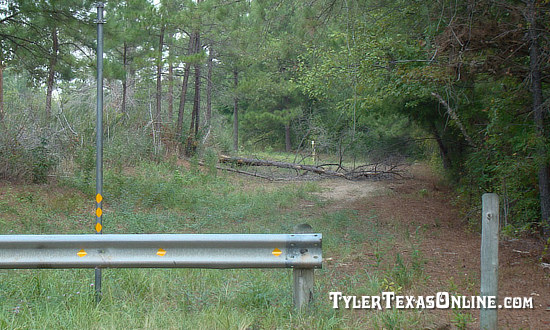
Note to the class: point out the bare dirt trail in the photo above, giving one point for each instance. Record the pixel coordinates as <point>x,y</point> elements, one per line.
<point>451,249</point>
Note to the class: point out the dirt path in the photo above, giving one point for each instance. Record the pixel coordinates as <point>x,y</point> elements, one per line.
<point>451,250</point>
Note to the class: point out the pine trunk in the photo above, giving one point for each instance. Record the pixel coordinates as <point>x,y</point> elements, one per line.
<point>288,146</point>
<point>538,116</point>
<point>235,112</point>
<point>209,91</point>
<point>191,143</point>
<point>197,100</point>
<point>443,152</point>
<point>170,92</point>
<point>170,82</point>
<point>184,85</point>
<point>181,109</point>
<point>195,116</point>
<point>1,92</point>
<point>124,80</point>
<point>159,82</point>
<point>51,72</point>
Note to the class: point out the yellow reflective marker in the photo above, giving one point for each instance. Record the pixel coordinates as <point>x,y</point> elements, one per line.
<point>98,212</point>
<point>161,252</point>
<point>81,253</point>
<point>98,198</point>
<point>98,227</point>
<point>277,252</point>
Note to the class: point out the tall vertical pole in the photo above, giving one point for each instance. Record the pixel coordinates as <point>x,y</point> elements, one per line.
<point>488,318</point>
<point>99,139</point>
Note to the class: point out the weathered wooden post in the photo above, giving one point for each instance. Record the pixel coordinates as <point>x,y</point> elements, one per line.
<point>303,277</point>
<point>489,258</point>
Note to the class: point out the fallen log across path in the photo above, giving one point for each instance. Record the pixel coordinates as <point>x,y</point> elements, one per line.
<point>361,172</point>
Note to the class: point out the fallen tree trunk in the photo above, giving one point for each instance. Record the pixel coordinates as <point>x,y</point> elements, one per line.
<point>355,174</point>
<point>262,162</point>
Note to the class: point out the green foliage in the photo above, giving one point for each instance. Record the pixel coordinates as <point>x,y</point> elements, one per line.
<point>17,163</point>
<point>85,163</point>
<point>42,162</point>
<point>153,197</point>
<point>358,77</point>
<point>405,274</point>
<point>462,320</point>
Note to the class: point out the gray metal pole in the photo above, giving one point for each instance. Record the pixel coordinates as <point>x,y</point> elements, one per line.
<point>489,258</point>
<point>99,139</point>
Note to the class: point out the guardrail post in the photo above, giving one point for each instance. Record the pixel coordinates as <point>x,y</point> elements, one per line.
<point>303,278</point>
<point>489,258</point>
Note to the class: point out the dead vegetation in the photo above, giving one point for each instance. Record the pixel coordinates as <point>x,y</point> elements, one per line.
<point>381,170</point>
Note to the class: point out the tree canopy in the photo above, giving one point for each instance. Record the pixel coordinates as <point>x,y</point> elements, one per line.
<point>466,81</point>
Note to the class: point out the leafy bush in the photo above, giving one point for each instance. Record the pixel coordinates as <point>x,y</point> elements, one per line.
<point>23,163</point>
<point>42,162</point>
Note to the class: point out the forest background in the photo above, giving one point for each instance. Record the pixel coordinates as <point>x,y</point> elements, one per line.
<point>463,84</point>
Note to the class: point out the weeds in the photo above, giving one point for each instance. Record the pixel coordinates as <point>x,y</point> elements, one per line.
<point>167,198</point>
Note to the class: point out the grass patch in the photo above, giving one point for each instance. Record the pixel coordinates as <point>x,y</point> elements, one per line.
<point>167,198</point>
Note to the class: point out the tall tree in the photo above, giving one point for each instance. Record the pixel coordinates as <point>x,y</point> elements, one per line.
<point>184,85</point>
<point>210,66</point>
<point>539,113</point>
<point>158,96</point>
<point>51,70</point>
<point>235,111</point>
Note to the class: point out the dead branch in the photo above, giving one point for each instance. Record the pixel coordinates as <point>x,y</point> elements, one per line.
<point>229,169</point>
<point>454,116</point>
<point>358,173</point>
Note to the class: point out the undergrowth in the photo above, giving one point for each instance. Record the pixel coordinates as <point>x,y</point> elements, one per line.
<point>166,197</point>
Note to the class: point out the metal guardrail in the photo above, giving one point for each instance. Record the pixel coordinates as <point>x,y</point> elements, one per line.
<point>161,251</point>
<point>300,251</point>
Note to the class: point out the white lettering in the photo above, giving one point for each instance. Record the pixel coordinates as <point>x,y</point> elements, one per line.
<point>430,302</point>
<point>388,297</point>
<point>467,302</point>
<point>410,302</point>
<point>491,302</point>
<point>335,297</point>
<point>356,303</point>
<point>399,302</point>
<point>442,300</point>
<point>420,302</point>
<point>347,300</point>
<point>455,302</point>
<point>365,301</point>
<point>376,302</point>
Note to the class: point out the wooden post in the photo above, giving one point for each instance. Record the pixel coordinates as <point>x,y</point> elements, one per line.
<point>489,258</point>
<point>303,278</point>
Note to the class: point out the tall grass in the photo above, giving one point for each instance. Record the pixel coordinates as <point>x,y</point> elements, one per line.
<point>170,198</point>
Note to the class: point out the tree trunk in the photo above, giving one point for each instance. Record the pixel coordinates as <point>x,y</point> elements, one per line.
<point>170,91</point>
<point>235,112</point>
<point>454,116</point>
<point>195,116</point>
<point>360,172</point>
<point>184,85</point>
<point>197,99</point>
<point>538,116</point>
<point>209,90</point>
<point>443,152</point>
<point>124,80</point>
<point>51,72</point>
<point>170,81</point>
<point>181,108</point>
<point>191,143</point>
<point>1,92</point>
<point>288,146</point>
<point>159,81</point>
